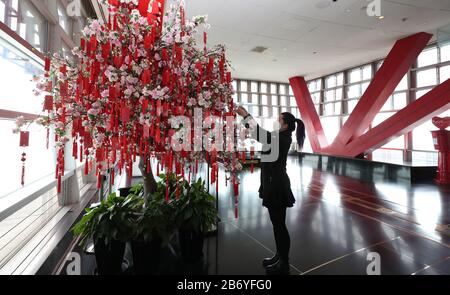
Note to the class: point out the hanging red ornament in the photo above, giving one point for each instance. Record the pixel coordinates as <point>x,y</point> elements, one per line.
<point>24,142</point>
<point>143,7</point>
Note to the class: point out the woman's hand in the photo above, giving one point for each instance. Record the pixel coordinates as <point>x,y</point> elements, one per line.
<point>242,112</point>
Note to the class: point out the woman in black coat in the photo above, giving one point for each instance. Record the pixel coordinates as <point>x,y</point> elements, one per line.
<point>275,189</point>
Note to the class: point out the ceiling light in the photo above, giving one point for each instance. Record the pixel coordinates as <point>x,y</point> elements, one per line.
<point>259,49</point>
<point>348,10</point>
<point>381,17</point>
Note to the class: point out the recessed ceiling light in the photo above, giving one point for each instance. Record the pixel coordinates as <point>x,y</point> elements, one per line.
<point>381,17</point>
<point>259,49</point>
<point>348,10</point>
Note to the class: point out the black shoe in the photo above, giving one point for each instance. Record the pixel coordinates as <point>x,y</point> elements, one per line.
<point>269,261</point>
<point>280,268</point>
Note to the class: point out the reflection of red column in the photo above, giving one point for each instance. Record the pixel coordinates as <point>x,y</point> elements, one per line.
<point>441,140</point>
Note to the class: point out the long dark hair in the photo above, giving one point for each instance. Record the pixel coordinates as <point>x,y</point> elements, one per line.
<point>291,121</point>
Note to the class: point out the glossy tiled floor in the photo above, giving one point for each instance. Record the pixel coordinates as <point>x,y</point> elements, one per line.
<point>336,222</point>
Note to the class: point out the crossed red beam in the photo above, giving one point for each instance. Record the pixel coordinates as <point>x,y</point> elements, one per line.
<point>351,139</point>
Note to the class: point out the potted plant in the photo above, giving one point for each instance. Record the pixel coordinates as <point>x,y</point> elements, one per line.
<point>196,214</point>
<point>109,224</point>
<point>152,231</point>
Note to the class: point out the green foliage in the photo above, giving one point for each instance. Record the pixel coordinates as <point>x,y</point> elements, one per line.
<point>126,218</point>
<point>111,219</point>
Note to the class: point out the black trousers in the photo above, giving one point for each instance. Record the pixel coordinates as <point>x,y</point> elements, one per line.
<point>280,231</point>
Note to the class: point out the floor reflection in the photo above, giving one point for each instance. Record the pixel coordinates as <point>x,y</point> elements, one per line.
<point>336,222</point>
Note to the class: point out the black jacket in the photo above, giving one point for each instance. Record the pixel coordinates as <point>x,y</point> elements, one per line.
<point>275,189</point>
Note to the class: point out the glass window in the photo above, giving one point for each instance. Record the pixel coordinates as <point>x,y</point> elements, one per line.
<point>254,87</point>
<point>25,20</point>
<point>265,112</point>
<point>403,85</point>
<point>351,105</point>
<point>64,20</point>
<point>329,95</point>
<point>273,88</point>
<point>275,111</point>
<point>428,57</point>
<point>39,161</point>
<point>16,74</point>
<point>255,111</point>
<point>292,101</point>
<point>315,85</point>
<point>338,92</point>
<point>422,139</point>
<point>283,89</point>
<point>2,12</point>
<point>234,83</point>
<point>243,86</point>
<point>329,109</point>
<point>421,93</point>
<point>367,72</point>
<point>264,100</point>
<point>331,127</point>
<point>244,98</point>
<point>340,79</point>
<point>283,109</point>
<point>400,100</point>
<point>354,91</point>
<point>316,97</point>
<point>283,101</point>
<point>337,108</point>
<point>330,81</point>
<point>364,87</point>
<point>291,91</point>
<point>388,105</point>
<point>295,112</point>
<point>445,53</point>
<point>426,78</point>
<point>355,75</point>
<point>263,87</point>
<point>234,96</point>
<point>444,74</point>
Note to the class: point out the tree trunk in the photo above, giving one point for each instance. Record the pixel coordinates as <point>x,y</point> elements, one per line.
<point>148,178</point>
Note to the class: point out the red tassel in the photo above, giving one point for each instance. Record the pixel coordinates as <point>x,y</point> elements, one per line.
<point>167,188</point>
<point>112,176</point>
<point>99,180</point>
<point>75,150</point>
<point>59,184</point>
<point>47,64</point>
<point>252,154</point>
<point>24,158</point>
<point>86,167</point>
<point>48,138</point>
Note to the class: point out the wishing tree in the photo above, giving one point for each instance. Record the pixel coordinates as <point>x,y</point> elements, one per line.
<point>129,79</point>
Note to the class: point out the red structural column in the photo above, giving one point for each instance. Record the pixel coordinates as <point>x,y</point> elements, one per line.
<point>418,112</point>
<point>395,66</point>
<point>314,129</point>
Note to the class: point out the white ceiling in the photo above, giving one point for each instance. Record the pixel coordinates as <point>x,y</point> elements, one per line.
<point>312,37</point>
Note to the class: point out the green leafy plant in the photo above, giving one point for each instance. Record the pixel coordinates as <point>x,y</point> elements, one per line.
<point>112,219</point>
<point>196,209</point>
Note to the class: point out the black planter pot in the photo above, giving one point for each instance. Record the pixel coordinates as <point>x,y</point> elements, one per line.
<point>125,191</point>
<point>191,245</point>
<point>146,256</point>
<point>109,257</point>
